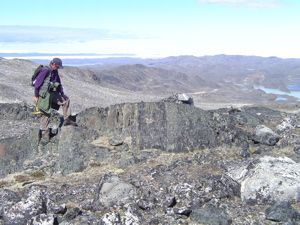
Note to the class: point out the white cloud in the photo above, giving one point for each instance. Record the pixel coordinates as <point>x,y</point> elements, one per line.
<point>148,48</point>
<point>246,3</point>
<point>40,34</point>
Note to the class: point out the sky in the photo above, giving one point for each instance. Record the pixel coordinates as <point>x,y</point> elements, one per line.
<point>151,28</point>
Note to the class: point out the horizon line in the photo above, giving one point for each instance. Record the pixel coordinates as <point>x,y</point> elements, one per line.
<point>45,55</point>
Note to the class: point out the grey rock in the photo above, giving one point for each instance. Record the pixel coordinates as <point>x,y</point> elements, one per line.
<point>54,208</point>
<point>282,212</point>
<point>72,155</point>
<point>245,153</point>
<point>225,187</point>
<point>15,156</point>
<point>144,124</point>
<point>154,221</point>
<point>145,204</point>
<point>116,192</point>
<point>75,155</point>
<point>210,215</point>
<point>170,201</point>
<point>44,219</point>
<point>297,148</point>
<point>182,211</point>
<point>71,214</point>
<point>132,215</point>
<point>16,111</point>
<point>265,135</point>
<point>286,125</point>
<point>115,141</point>
<point>111,219</point>
<point>26,209</point>
<point>124,147</point>
<point>126,159</point>
<point>267,180</point>
<point>7,199</point>
<point>179,98</point>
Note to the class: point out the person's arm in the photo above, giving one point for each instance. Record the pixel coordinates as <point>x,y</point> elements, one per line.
<point>39,81</point>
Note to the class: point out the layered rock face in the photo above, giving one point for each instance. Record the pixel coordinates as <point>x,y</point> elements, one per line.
<point>165,126</point>
<point>151,163</point>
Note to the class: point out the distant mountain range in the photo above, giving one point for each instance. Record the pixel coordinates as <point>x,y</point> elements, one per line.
<point>270,72</point>
<point>142,78</point>
<point>209,79</point>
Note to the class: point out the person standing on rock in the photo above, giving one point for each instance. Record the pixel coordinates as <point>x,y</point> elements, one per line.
<point>49,93</point>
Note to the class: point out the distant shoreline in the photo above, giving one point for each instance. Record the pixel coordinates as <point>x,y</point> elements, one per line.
<point>62,55</point>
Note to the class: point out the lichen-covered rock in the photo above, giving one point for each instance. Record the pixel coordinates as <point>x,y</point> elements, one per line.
<point>211,215</point>
<point>43,219</point>
<point>268,179</point>
<point>265,135</point>
<point>116,192</point>
<point>286,125</point>
<point>7,199</point>
<point>297,148</point>
<point>111,219</point>
<point>26,209</point>
<point>282,212</point>
<point>132,215</point>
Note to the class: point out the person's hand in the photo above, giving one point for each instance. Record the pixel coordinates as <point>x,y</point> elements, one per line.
<point>35,99</point>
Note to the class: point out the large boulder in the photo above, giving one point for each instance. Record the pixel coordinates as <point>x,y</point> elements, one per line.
<point>268,180</point>
<point>265,135</point>
<point>116,192</point>
<point>180,98</point>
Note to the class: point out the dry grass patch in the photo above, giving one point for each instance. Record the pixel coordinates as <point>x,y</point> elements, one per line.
<point>40,175</point>
<point>3,183</point>
<point>21,178</point>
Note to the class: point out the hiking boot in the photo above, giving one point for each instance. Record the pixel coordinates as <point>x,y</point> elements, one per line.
<point>53,131</point>
<point>69,122</point>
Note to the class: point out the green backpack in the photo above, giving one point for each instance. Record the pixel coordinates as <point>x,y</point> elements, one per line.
<point>44,102</point>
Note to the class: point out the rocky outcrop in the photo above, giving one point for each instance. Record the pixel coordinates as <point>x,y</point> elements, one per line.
<point>151,163</point>
<point>165,126</point>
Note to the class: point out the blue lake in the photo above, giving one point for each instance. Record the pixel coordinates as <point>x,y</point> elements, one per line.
<point>294,91</point>
<point>293,87</point>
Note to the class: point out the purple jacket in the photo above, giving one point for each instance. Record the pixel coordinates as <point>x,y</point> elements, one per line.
<point>54,77</point>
